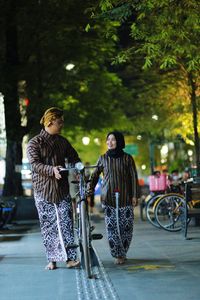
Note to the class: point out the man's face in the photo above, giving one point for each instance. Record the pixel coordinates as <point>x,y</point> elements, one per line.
<point>56,126</point>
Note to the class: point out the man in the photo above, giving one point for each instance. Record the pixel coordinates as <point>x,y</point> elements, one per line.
<point>47,152</point>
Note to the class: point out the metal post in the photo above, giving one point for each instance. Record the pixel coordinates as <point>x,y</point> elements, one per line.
<point>151,156</point>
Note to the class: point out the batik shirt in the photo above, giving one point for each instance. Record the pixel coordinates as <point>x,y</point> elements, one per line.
<point>119,175</point>
<point>45,151</point>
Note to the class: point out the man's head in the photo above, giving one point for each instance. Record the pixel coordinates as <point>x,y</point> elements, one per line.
<point>53,120</point>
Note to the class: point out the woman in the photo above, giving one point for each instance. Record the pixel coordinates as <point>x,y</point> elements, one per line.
<point>120,183</point>
<point>47,152</point>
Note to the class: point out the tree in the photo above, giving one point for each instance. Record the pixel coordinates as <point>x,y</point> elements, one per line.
<point>166,34</point>
<point>14,132</point>
<point>39,39</point>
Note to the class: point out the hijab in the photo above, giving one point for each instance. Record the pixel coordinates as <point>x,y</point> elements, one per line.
<point>118,151</point>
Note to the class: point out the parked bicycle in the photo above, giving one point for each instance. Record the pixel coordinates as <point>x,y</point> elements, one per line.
<point>7,212</point>
<point>162,205</point>
<point>84,228</point>
<point>167,210</point>
<point>150,207</point>
<point>191,207</point>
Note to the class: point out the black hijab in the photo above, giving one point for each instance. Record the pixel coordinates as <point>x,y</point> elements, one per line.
<point>117,152</point>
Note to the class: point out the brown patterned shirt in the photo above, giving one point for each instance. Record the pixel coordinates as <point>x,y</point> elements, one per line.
<point>119,174</point>
<point>45,151</point>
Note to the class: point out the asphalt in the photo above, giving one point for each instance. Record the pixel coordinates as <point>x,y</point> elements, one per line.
<point>160,266</point>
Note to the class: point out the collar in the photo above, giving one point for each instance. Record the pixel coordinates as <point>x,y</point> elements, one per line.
<point>49,138</point>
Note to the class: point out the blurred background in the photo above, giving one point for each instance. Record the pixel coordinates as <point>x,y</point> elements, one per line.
<point>124,65</point>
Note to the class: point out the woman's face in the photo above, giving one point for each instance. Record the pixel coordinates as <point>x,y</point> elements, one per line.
<point>111,142</point>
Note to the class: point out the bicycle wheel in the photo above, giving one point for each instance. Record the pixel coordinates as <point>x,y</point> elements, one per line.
<point>85,239</point>
<point>150,210</point>
<point>168,212</point>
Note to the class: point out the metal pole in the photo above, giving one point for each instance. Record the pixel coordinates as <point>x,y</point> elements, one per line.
<point>151,156</point>
<point>117,216</point>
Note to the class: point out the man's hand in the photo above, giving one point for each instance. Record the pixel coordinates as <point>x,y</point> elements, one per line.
<point>57,172</point>
<point>134,201</point>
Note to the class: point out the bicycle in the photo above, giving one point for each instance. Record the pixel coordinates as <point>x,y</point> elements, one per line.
<point>150,208</point>
<point>191,207</point>
<point>168,209</point>
<point>7,212</point>
<point>84,227</point>
<point>157,187</point>
<point>163,202</point>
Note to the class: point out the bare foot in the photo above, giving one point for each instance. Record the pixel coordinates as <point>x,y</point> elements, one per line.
<point>51,266</point>
<point>73,264</point>
<point>120,260</point>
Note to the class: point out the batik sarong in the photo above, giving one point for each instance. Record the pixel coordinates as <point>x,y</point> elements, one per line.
<point>56,223</point>
<point>119,245</point>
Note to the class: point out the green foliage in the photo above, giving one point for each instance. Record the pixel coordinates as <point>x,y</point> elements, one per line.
<point>118,81</point>
<point>87,28</point>
<point>167,31</point>
<point>120,13</point>
<point>50,36</point>
<point>172,32</point>
<point>105,5</point>
<point>120,58</point>
<point>165,44</point>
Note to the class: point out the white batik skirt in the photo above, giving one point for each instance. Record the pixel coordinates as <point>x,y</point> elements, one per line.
<point>56,223</point>
<point>119,232</point>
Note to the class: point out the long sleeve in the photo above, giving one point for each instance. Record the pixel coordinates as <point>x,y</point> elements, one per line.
<point>134,178</point>
<point>44,152</point>
<point>71,154</point>
<point>95,177</point>
<point>34,157</point>
<point>118,174</point>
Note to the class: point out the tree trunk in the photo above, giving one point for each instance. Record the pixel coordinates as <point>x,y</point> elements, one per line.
<point>13,184</point>
<point>192,86</point>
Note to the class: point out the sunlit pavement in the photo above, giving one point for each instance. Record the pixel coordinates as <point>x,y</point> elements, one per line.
<point>160,265</point>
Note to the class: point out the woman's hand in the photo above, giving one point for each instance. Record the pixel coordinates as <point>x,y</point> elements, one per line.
<point>134,201</point>
<point>89,199</point>
<point>57,172</point>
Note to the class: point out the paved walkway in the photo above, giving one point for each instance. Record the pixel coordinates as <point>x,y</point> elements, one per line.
<point>160,266</point>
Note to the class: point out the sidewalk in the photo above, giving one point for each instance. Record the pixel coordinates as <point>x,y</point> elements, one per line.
<point>160,266</point>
